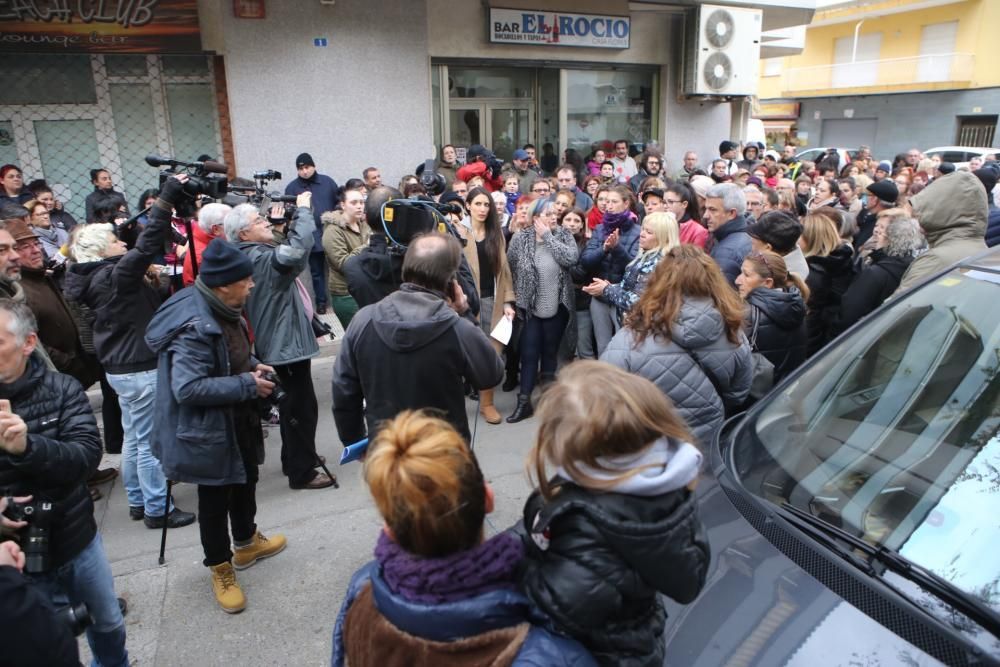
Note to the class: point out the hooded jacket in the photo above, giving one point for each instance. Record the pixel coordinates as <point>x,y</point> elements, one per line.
<point>993,226</point>
<point>282,332</point>
<point>64,448</point>
<point>122,301</point>
<point>828,280</point>
<point>340,242</point>
<point>870,288</point>
<point>953,212</point>
<point>671,366</point>
<point>500,624</point>
<point>781,330</point>
<point>406,352</point>
<point>595,561</point>
<point>194,435</point>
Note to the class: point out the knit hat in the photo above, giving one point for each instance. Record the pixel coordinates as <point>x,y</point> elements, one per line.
<point>700,184</point>
<point>521,154</point>
<point>20,230</point>
<point>885,166</point>
<point>727,146</point>
<point>222,263</point>
<point>986,175</point>
<point>773,155</point>
<point>304,160</point>
<point>946,168</point>
<point>885,190</point>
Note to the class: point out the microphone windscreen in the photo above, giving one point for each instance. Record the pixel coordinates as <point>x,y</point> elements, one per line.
<point>214,167</point>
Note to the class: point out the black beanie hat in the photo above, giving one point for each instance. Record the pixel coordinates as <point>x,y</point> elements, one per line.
<point>304,160</point>
<point>988,177</point>
<point>885,190</point>
<point>222,263</point>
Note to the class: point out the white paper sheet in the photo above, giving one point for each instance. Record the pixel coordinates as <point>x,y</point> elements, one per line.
<point>503,330</point>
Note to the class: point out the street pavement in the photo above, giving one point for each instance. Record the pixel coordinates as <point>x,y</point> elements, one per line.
<point>292,598</point>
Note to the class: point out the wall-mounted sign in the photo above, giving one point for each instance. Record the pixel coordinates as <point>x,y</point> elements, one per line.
<point>521,26</point>
<point>108,26</point>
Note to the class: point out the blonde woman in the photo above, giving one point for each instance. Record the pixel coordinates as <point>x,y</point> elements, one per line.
<point>831,263</point>
<point>658,235</point>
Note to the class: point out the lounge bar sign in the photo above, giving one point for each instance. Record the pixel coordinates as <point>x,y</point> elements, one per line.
<point>104,26</point>
<point>523,26</point>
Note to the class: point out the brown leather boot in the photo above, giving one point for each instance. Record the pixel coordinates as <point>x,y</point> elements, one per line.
<point>486,408</point>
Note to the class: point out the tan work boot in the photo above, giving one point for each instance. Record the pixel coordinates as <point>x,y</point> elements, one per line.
<point>259,547</point>
<point>486,408</point>
<point>227,591</point>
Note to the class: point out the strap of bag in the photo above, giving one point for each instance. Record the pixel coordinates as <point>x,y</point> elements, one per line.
<point>756,324</point>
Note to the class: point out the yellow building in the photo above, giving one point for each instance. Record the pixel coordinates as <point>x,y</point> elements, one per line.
<point>890,74</point>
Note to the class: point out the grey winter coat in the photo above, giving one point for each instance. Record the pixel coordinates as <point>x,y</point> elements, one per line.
<point>194,435</point>
<point>282,332</point>
<point>521,258</point>
<point>700,331</point>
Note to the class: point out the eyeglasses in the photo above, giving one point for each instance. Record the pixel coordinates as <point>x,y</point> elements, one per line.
<point>541,191</point>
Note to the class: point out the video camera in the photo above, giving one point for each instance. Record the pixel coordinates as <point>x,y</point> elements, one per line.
<point>204,178</point>
<point>261,198</point>
<point>405,219</point>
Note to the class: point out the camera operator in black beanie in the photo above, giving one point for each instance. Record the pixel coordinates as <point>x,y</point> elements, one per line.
<point>325,197</point>
<point>49,444</point>
<point>207,426</point>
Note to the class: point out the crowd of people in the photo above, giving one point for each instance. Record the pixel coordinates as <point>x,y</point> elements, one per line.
<point>633,309</point>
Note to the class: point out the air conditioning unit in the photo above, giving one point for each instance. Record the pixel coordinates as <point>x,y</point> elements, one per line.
<point>722,51</point>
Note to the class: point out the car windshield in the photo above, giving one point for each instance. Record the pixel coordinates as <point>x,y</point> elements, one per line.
<point>894,434</point>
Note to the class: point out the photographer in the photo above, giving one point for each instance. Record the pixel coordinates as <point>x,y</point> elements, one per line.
<point>412,349</point>
<point>376,271</point>
<point>114,284</point>
<point>49,444</point>
<point>281,317</point>
<point>483,163</point>
<point>207,424</point>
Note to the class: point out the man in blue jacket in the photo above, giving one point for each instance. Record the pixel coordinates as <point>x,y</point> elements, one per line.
<point>725,206</point>
<point>206,426</point>
<point>325,197</point>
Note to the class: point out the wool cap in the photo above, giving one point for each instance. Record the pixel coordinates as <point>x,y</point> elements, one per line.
<point>885,190</point>
<point>304,160</point>
<point>946,168</point>
<point>884,166</point>
<point>986,175</point>
<point>222,263</point>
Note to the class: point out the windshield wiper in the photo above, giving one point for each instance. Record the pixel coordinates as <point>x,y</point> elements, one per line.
<point>944,590</point>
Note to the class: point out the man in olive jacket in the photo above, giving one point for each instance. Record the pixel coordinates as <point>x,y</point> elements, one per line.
<point>280,315</point>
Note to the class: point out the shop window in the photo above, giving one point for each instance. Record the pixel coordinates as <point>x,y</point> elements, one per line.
<point>185,66</point>
<point>487,82</point>
<point>125,65</point>
<point>605,106</point>
<point>192,116</point>
<point>46,79</point>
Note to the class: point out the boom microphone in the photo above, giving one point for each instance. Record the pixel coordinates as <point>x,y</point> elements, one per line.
<point>212,167</point>
<point>156,161</point>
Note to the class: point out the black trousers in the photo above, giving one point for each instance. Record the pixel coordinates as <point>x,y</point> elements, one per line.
<point>299,414</point>
<point>111,414</point>
<point>236,503</point>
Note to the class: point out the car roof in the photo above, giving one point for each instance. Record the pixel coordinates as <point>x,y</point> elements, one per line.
<point>962,148</point>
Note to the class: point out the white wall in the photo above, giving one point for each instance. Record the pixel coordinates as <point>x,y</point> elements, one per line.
<point>364,100</point>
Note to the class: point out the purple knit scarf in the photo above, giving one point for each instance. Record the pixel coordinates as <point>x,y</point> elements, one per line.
<point>487,567</point>
<point>622,221</point>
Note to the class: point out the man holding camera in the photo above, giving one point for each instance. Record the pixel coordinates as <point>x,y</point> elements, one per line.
<point>207,423</point>
<point>281,318</point>
<point>413,349</point>
<point>480,161</point>
<point>49,444</point>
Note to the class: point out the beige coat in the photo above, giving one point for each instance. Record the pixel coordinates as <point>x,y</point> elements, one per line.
<point>339,243</point>
<point>503,286</point>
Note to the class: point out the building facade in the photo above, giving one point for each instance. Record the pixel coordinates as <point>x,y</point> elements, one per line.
<point>890,74</point>
<point>382,83</point>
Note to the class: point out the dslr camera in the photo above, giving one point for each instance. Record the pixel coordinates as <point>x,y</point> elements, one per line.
<point>277,397</point>
<point>35,536</point>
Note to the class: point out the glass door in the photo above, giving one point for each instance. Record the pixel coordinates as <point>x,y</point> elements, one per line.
<point>501,125</point>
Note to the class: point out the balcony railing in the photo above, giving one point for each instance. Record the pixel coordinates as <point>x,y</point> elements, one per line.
<point>913,73</point>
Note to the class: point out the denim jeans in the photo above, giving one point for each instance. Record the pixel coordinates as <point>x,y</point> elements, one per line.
<point>604,319</point>
<point>145,485</point>
<point>87,578</point>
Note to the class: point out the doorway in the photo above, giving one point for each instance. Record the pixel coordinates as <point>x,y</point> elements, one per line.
<point>502,124</point>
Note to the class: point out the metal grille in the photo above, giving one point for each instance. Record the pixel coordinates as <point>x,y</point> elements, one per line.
<point>978,131</point>
<point>63,115</point>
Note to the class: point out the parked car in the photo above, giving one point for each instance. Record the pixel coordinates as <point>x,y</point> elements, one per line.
<point>852,512</point>
<point>845,155</point>
<point>960,155</point>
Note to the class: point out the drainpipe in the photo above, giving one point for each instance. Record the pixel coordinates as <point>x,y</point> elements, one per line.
<point>854,51</point>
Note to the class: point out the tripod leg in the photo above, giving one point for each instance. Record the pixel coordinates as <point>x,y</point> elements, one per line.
<point>329,474</point>
<point>166,516</point>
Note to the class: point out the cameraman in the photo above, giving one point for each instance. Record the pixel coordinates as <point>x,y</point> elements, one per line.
<point>481,162</point>
<point>281,317</point>
<point>412,350</point>
<point>207,425</point>
<point>376,271</point>
<point>49,443</point>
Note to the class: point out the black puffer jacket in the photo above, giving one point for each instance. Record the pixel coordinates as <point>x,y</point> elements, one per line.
<point>828,280</point>
<point>607,556</point>
<point>781,328</point>
<point>870,288</point>
<point>64,448</point>
<point>123,302</point>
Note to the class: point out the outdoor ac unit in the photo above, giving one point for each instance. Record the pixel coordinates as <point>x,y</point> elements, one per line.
<point>722,51</point>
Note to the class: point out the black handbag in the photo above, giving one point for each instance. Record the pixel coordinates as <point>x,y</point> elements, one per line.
<point>763,369</point>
